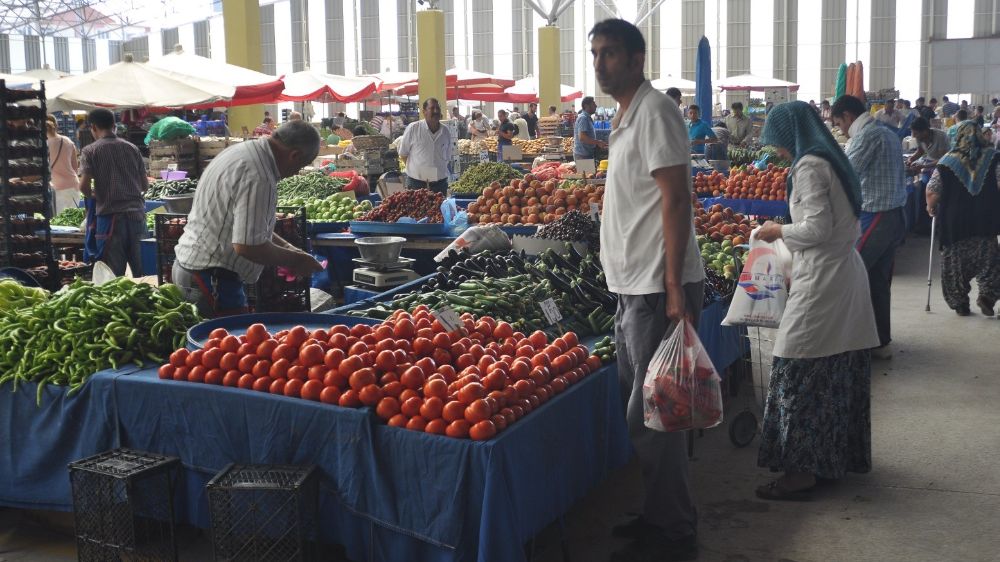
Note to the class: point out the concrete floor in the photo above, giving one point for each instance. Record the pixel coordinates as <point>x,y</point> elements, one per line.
<point>933,495</point>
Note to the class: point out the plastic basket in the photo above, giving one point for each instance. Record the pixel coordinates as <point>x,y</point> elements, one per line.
<point>264,513</point>
<point>370,142</point>
<point>123,506</point>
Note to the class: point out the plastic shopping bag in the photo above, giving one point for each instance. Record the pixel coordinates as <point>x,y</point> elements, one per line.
<point>477,239</point>
<point>682,388</point>
<point>762,288</point>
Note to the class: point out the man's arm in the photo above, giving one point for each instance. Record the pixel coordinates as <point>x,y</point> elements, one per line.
<point>270,253</point>
<point>85,181</point>
<point>916,155</point>
<point>675,211</point>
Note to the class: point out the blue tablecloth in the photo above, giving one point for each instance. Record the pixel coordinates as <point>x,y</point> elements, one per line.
<point>750,206</point>
<point>446,499</point>
<point>39,441</point>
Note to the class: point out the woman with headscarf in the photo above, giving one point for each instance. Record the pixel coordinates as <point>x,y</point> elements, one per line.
<point>817,422</point>
<point>964,196</point>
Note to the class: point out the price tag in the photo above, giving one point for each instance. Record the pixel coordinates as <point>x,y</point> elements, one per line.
<point>171,167</point>
<point>551,311</point>
<point>595,212</point>
<point>448,318</point>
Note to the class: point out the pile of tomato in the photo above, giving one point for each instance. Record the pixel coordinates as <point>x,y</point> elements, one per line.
<point>473,382</point>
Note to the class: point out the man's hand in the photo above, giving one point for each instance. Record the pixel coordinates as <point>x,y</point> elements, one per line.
<point>676,306</point>
<point>305,265</point>
<point>932,210</point>
<point>770,232</point>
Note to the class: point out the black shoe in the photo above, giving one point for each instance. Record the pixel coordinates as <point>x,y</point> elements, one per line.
<point>963,311</point>
<point>986,309</point>
<point>637,528</point>
<point>657,548</point>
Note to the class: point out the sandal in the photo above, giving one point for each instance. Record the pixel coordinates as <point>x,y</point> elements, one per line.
<point>775,491</point>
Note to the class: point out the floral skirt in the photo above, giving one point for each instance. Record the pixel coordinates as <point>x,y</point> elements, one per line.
<point>818,416</point>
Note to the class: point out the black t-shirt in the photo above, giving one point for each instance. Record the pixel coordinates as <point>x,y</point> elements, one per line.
<point>508,127</point>
<point>532,121</point>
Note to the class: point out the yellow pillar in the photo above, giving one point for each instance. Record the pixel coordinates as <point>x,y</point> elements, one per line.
<point>548,68</point>
<point>241,19</point>
<point>430,57</point>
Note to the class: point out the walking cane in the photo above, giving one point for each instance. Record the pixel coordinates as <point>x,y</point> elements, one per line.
<point>930,265</point>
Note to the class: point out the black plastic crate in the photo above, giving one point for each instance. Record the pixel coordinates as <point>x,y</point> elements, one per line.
<point>168,228</point>
<point>293,229</point>
<point>264,513</point>
<point>123,506</point>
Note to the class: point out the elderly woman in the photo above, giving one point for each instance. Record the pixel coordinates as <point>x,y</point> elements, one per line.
<point>817,422</point>
<point>963,194</point>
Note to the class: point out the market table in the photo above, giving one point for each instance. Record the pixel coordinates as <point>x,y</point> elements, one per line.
<point>389,494</point>
<point>754,207</point>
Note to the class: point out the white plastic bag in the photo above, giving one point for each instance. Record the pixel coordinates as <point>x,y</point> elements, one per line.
<point>682,390</point>
<point>477,239</point>
<point>762,288</point>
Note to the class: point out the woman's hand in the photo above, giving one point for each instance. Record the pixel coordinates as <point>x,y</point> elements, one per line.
<point>769,232</point>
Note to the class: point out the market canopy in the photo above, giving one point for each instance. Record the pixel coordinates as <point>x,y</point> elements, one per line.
<point>391,80</point>
<point>685,86</point>
<point>313,85</point>
<point>749,82</point>
<point>16,82</point>
<point>251,86</point>
<point>45,73</point>
<point>525,90</point>
<point>132,85</point>
<point>464,84</point>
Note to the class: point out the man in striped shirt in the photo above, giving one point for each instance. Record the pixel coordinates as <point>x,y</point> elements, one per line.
<point>229,236</point>
<point>119,181</point>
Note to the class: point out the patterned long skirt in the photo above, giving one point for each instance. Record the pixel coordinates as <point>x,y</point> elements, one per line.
<point>818,416</point>
<point>964,260</point>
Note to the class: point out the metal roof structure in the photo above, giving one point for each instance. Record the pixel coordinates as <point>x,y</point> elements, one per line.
<point>90,18</point>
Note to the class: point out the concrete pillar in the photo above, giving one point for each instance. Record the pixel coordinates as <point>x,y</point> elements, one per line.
<point>430,57</point>
<point>549,72</point>
<point>242,25</point>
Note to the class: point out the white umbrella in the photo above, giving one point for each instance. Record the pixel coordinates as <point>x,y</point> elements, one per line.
<point>131,85</point>
<point>320,86</point>
<point>749,82</point>
<point>45,73</point>
<point>685,86</point>
<point>17,82</point>
<point>251,86</point>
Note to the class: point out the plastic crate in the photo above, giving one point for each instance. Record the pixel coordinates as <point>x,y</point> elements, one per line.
<point>123,506</point>
<point>264,513</point>
<point>168,228</point>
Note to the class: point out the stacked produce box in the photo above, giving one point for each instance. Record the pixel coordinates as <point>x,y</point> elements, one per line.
<point>210,147</point>
<point>24,172</point>
<point>180,154</point>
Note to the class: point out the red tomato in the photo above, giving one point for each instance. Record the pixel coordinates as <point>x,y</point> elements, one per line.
<point>296,337</point>
<point>229,344</point>
<point>293,388</point>
<point>369,340</point>
<point>246,349</point>
<point>181,373</point>
<point>441,357</point>
<point>230,360</point>
<point>442,341</point>
<point>312,388</point>
<point>263,384</point>
<point>277,386</point>
<point>177,358</point>
<point>316,372</point>
<point>218,333</point>
<point>166,371</point>
<point>544,393</point>
<point>499,422</point>
<point>404,329</point>
<point>349,399</point>
<point>483,431</point>
<point>539,376</point>
<point>427,365</point>
<point>559,384</point>
<point>407,393</point>
<point>261,368</point>
<point>423,347</point>
<point>524,387</point>
<point>370,395</point>
<point>571,339</point>
<point>561,344</point>
<point>311,355</point>
<point>538,339</point>
<point>333,358</point>
<point>535,401</point>
<point>458,429</point>
<point>361,378</point>
<point>519,412</point>
<point>387,408</point>
<point>385,360</point>
<point>297,372</point>
<point>231,378</point>
<point>256,334</point>
<point>508,414</point>
<point>416,423</point>
<point>453,410</point>
<point>213,376</point>
<point>432,408</point>
<point>358,348</point>
<point>436,388</point>
<point>394,389</point>
<point>448,372</point>
<point>246,381</point>
<point>411,406</point>
<point>266,348</point>
<point>284,351</point>
<point>329,395</point>
<point>478,411</point>
<point>385,345</point>
<point>594,362</point>
<point>520,369</point>
<point>413,378</point>
<point>437,427</point>
<point>279,369</point>
<point>399,420</point>
<point>495,381</point>
<point>197,373</point>
<point>471,392</point>
<point>503,331</point>
<point>194,358</point>
<point>359,330</point>
<point>212,357</point>
<point>349,365</point>
<point>338,341</point>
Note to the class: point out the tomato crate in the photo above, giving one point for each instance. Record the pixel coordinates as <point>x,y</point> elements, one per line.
<point>168,228</point>
<point>264,512</point>
<point>291,224</point>
<point>123,506</point>
<point>273,293</point>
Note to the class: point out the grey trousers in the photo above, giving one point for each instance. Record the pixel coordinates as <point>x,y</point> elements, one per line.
<point>640,325</point>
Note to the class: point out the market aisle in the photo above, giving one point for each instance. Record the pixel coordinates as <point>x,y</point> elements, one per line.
<point>934,491</point>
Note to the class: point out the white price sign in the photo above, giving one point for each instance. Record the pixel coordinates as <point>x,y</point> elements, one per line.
<point>551,311</point>
<point>595,212</point>
<point>171,167</point>
<point>448,318</point>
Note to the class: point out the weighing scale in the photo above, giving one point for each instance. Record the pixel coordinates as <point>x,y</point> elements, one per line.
<point>384,275</point>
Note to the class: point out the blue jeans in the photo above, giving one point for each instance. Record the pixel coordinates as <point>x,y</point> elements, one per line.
<point>216,291</point>
<point>124,244</point>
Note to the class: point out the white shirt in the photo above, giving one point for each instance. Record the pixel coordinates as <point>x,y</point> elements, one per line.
<point>895,119</point>
<point>650,135</point>
<point>522,129</point>
<point>234,204</point>
<point>829,308</point>
<point>427,154</point>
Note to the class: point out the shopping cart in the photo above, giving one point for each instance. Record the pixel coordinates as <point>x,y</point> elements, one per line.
<point>750,379</point>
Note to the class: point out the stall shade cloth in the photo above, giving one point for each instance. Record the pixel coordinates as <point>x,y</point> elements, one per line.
<point>685,86</point>
<point>703,80</point>
<point>464,82</point>
<point>749,82</point>
<point>132,85</point>
<point>45,73</point>
<point>252,87</point>
<point>388,81</point>
<point>525,90</point>
<point>313,85</point>
<point>17,82</point>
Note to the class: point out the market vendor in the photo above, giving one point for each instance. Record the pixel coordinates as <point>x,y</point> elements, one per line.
<point>699,133</point>
<point>479,126</point>
<point>932,143</point>
<point>585,143</point>
<point>426,149</point>
<point>739,125</point>
<point>229,237</point>
<point>265,128</point>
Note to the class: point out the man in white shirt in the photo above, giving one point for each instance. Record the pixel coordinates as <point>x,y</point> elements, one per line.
<point>889,115</point>
<point>229,236</point>
<point>426,149</point>
<point>651,261</point>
